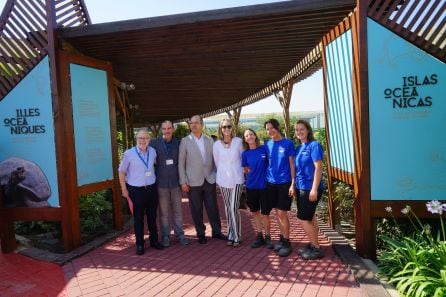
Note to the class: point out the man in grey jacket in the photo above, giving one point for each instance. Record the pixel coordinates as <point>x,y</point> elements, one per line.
<point>196,169</point>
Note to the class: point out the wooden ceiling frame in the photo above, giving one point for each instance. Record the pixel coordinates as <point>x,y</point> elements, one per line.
<point>213,61</point>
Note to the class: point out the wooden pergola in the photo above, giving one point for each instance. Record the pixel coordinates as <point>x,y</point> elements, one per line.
<point>206,63</point>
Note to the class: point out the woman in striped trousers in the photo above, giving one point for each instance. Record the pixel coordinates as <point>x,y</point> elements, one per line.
<point>230,179</point>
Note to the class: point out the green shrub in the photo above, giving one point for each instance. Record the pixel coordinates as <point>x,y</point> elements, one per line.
<point>95,211</point>
<point>36,227</point>
<point>416,263</point>
<point>344,197</point>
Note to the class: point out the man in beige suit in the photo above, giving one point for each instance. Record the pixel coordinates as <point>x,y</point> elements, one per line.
<point>197,178</point>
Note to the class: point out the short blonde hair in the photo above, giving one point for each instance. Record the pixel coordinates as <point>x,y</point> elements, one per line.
<point>220,134</point>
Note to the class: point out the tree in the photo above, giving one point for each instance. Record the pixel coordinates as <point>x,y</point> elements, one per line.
<point>181,130</point>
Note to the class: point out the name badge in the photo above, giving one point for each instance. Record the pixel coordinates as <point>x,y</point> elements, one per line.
<point>148,173</point>
<point>169,162</point>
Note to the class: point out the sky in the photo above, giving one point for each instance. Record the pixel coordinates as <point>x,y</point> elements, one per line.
<point>307,95</point>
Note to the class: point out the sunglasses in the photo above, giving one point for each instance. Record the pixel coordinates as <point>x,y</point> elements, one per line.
<point>226,127</point>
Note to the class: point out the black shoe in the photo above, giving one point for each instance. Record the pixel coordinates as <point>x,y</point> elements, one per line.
<point>268,243</point>
<point>220,236</point>
<point>313,253</point>
<point>157,245</point>
<point>279,244</point>
<point>202,240</point>
<point>258,242</point>
<point>304,249</point>
<point>140,250</point>
<point>286,249</point>
<point>236,244</point>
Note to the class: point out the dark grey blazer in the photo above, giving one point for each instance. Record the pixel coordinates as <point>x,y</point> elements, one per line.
<point>193,170</point>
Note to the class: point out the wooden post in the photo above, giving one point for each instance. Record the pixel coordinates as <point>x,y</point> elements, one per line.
<point>7,236</point>
<point>235,117</point>
<point>7,233</point>
<point>284,98</point>
<point>117,211</point>
<point>66,165</point>
<point>365,235</point>
<point>155,129</point>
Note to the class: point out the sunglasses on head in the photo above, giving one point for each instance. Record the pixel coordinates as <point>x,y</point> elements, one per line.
<point>226,127</point>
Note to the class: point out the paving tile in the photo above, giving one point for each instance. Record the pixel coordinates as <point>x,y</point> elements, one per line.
<point>213,269</point>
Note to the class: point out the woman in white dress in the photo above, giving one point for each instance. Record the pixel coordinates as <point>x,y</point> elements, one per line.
<point>230,178</point>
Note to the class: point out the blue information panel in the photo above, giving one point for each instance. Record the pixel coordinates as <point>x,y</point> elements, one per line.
<point>91,121</point>
<point>407,91</point>
<point>28,172</point>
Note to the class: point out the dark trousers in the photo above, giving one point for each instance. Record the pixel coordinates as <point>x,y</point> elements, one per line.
<point>204,194</point>
<point>145,202</point>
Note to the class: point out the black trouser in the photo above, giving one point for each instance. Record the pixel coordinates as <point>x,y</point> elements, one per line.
<point>145,201</point>
<point>204,194</point>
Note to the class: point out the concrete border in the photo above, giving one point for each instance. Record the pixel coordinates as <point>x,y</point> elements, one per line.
<point>61,259</point>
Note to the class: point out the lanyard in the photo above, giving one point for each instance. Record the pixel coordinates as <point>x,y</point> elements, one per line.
<point>146,163</point>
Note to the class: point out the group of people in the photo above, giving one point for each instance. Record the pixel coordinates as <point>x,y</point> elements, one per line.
<point>155,172</point>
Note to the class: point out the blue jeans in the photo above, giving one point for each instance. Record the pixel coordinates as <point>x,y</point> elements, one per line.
<point>170,199</point>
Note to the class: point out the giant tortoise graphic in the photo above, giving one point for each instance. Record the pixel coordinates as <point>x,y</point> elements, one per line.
<point>23,183</point>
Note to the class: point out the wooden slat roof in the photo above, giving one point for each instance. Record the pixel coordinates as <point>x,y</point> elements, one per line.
<point>198,63</point>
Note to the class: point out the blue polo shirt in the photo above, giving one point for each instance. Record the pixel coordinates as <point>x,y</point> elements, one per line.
<point>279,152</point>
<point>257,162</point>
<point>306,155</point>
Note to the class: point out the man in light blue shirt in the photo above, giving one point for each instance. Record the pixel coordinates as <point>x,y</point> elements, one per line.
<point>138,184</point>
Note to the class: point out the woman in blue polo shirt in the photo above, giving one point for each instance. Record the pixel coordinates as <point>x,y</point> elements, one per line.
<point>308,164</point>
<point>280,181</point>
<point>255,163</point>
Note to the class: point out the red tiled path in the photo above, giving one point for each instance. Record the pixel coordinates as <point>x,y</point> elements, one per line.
<point>23,276</point>
<point>194,270</point>
<point>208,270</point>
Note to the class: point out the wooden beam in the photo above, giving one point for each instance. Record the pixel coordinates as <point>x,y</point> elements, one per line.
<point>289,7</point>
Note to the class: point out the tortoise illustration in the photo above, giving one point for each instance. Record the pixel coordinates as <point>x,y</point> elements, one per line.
<point>23,183</point>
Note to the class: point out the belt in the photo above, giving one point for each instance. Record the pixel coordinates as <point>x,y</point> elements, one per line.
<point>146,187</point>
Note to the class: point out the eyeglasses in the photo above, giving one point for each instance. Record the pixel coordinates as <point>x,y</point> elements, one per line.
<point>226,127</point>
<point>142,138</point>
